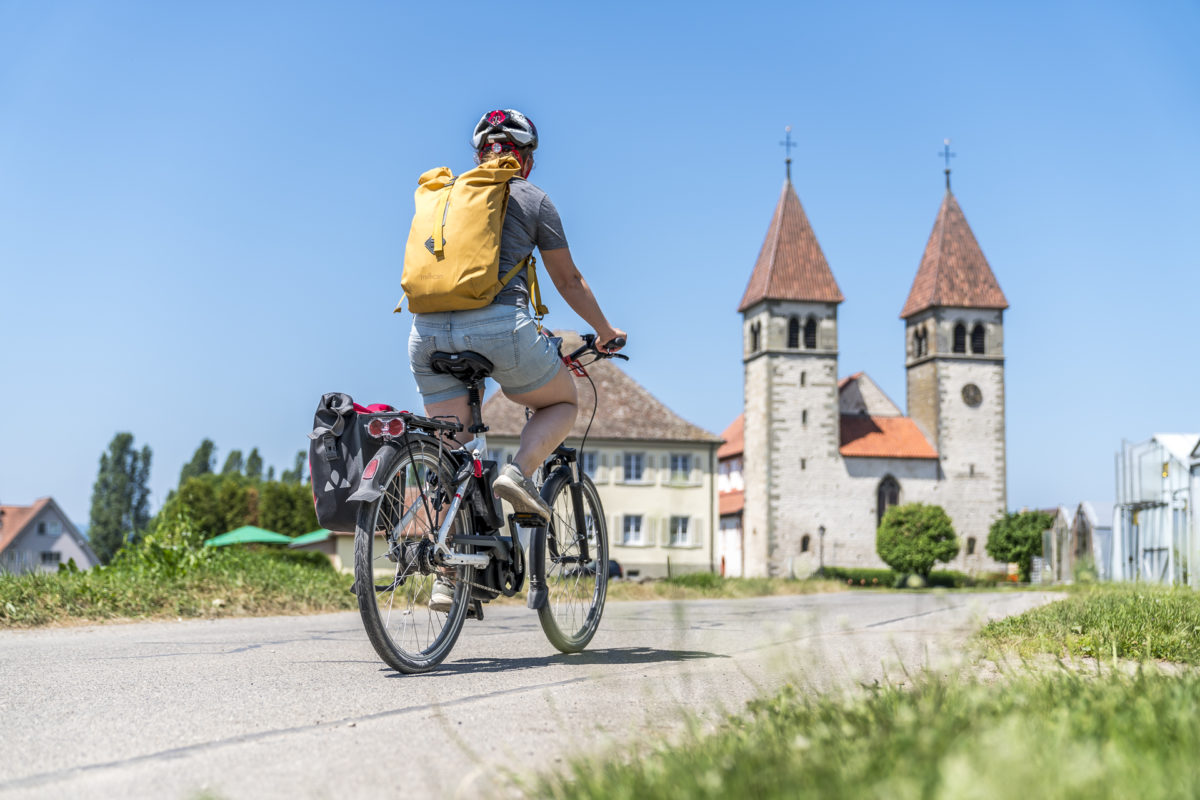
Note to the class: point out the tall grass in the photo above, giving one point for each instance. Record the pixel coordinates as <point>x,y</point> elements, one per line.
<point>1059,735</point>
<point>1134,621</point>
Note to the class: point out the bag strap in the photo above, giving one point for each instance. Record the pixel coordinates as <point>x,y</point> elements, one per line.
<point>439,220</point>
<point>529,264</point>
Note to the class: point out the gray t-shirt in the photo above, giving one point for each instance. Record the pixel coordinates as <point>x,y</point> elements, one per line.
<point>531,221</point>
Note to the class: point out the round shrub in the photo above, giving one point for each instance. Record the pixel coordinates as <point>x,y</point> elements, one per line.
<point>912,538</point>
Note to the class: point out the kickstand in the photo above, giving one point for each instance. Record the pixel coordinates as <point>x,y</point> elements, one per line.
<point>475,610</point>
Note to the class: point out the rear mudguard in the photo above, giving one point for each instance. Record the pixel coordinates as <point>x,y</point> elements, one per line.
<point>369,489</point>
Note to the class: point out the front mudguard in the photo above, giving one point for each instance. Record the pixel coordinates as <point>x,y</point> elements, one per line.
<point>370,489</point>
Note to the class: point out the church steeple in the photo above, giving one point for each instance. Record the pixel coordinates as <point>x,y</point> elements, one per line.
<point>790,265</point>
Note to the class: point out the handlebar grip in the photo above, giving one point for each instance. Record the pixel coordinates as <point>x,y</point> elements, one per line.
<point>617,343</point>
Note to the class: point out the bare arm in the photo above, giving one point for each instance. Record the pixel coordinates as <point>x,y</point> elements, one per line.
<point>574,289</point>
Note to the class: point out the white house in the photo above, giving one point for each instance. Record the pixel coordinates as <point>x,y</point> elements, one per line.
<point>40,537</point>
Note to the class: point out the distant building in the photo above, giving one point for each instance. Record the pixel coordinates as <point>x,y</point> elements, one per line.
<point>1091,536</point>
<point>655,471</point>
<point>1155,537</point>
<point>731,497</point>
<point>40,537</point>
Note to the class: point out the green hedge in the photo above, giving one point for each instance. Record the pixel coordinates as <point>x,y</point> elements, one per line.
<point>948,579</point>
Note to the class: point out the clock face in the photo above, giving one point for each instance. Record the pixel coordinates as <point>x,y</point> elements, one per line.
<point>971,395</point>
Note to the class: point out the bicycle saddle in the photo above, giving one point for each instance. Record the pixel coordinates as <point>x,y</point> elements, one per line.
<point>468,366</point>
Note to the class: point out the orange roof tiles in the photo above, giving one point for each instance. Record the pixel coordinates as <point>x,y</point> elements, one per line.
<point>731,502</point>
<point>953,271</point>
<point>735,437</point>
<point>884,437</point>
<point>791,265</point>
<point>15,518</point>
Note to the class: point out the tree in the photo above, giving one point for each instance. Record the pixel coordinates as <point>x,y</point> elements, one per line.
<point>120,497</point>
<point>201,463</point>
<point>254,465</point>
<point>296,473</point>
<point>1017,536</point>
<point>913,537</point>
<point>234,463</point>
<point>270,474</point>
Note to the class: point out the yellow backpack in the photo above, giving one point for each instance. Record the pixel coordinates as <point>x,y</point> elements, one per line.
<point>452,260</point>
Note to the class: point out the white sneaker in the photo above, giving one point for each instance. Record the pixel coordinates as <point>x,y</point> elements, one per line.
<point>442,596</point>
<point>519,491</point>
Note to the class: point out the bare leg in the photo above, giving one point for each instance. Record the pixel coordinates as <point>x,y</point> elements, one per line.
<point>554,408</point>
<point>454,407</point>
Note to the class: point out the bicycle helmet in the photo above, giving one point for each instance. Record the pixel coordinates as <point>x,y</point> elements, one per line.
<point>505,127</point>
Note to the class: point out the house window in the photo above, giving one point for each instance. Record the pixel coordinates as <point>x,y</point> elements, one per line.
<point>50,558</point>
<point>970,545</point>
<point>977,339</point>
<point>887,496</point>
<point>804,417</point>
<point>755,330</point>
<point>805,543</point>
<point>41,528</point>
<point>793,333</point>
<point>803,464</point>
<point>679,531</point>
<point>920,343</point>
<point>635,467</point>
<point>803,375</point>
<point>631,529</point>
<point>587,460</point>
<point>960,338</point>
<point>810,334</point>
<point>681,467</point>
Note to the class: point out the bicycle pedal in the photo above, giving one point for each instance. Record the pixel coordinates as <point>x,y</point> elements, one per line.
<point>527,520</point>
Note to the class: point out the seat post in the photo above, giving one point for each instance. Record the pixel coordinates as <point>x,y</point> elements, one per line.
<point>477,425</point>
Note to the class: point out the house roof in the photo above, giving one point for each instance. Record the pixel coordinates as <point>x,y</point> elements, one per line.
<point>15,518</point>
<point>953,271</point>
<point>731,502</point>
<point>790,265</point>
<point>1179,445</point>
<point>883,437</point>
<point>626,410</point>
<point>858,394</point>
<point>735,438</point>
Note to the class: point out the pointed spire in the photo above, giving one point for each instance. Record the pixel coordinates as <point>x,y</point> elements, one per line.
<point>953,271</point>
<point>791,265</point>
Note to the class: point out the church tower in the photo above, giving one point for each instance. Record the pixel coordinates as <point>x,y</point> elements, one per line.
<point>954,337</point>
<point>790,351</point>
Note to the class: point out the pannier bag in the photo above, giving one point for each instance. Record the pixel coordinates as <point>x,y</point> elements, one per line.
<point>337,454</point>
<point>452,259</point>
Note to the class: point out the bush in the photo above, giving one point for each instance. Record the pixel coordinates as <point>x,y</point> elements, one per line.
<point>1017,537</point>
<point>858,576</point>
<point>913,537</point>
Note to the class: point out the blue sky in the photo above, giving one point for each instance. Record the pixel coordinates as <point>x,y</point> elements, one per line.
<point>203,206</point>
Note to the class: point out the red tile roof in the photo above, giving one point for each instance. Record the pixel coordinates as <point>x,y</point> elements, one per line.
<point>791,265</point>
<point>735,437</point>
<point>953,271</point>
<point>626,411</point>
<point>731,502</point>
<point>884,437</point>
<point>15,518</point>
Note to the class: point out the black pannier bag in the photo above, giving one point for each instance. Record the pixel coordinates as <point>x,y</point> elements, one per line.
<point>339,451</point>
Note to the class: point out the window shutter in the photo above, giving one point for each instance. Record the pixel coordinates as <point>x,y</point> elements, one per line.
<point>665,534</point>
<point>694,537</point>
<point>619,467</point>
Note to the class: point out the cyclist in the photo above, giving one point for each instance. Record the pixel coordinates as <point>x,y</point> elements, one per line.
<point>526,359</point>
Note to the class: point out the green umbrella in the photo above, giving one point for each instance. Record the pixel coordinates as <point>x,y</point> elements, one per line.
<point>319,535</point>
<point>248,534</point>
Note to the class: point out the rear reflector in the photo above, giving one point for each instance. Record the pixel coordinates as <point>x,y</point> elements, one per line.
<point>372,466</point>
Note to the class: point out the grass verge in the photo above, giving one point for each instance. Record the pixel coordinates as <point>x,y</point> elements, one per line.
<point>1050,735</point>
<point>1133,621</point>
<point>698,585</point>
<point>222,583</point>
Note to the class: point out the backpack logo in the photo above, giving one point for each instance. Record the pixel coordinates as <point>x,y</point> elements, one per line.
<point>336,482</point>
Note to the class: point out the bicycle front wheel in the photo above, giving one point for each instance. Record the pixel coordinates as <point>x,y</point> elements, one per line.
<point>395,575</point>
<point>576,547</point>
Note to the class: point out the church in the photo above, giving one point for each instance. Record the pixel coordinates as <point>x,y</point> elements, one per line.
<point>810,467</point>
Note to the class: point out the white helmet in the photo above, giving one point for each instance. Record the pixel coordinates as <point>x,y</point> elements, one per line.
<point>505,126</point>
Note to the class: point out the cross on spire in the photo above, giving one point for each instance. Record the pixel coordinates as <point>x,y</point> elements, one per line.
<point>946,154</point>
<point>787,144</point>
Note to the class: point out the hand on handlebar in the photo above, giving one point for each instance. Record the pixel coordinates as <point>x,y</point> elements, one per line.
<point>611,340</point>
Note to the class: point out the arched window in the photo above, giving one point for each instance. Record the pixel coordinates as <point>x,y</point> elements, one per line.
<point>793,333</point>
<point>754,331</point>
<point>887,496</point>
<point>805,543</point>
<point>970,545</point>
<point>960,338</point>
<point>920,343</point>
<point>810,334</point>
<point>977,339</point>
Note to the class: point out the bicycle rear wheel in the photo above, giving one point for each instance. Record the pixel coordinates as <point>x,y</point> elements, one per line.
<point>576,551</point>
<point>394,573</point>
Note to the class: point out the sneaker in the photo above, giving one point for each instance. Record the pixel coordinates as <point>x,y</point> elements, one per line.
<point>512,485</point>
<point>442,596</point>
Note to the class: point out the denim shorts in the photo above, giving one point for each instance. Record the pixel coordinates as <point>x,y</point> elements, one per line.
<point>524,358</point>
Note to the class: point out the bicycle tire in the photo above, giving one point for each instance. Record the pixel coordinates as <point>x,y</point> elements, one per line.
<point>576,589</point>
<point>406,633</point>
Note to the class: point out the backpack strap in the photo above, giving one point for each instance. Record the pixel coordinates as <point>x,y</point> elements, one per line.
<point>529,264</point>
<point>439,219</point>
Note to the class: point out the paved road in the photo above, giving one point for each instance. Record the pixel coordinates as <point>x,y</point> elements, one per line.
<point>301,706</point>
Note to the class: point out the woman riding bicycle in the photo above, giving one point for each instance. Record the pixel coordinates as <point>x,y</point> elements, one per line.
<point>526,361</point>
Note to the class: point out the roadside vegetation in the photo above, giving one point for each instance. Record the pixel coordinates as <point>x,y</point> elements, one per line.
<point>1043,729</point>
<point>699,585</point>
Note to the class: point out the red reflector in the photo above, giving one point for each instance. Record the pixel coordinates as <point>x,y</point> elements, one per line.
<point>395,426</point>
<point>369,472</point>
<point>478,468</point>
<point>375,427</point>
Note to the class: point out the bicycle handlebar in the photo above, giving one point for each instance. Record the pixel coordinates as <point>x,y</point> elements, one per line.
<point>589,346</point>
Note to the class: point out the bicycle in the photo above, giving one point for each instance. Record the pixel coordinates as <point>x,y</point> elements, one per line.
<point>427,514</point>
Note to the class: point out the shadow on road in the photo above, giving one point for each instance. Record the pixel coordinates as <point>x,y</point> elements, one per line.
<point>612,655</point>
